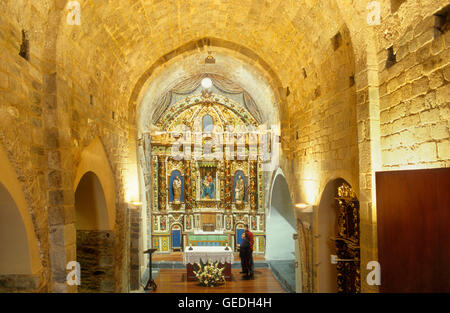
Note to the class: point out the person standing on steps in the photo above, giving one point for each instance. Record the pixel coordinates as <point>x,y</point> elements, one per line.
<point>245,254</point>
<point>250,236</point>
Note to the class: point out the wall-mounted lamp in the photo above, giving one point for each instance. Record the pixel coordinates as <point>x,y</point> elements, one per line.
<point>206,82</point>
<point>304,208</point>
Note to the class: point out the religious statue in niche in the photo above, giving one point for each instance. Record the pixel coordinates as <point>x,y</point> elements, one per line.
<point>254,225</point>
<point>208,187</point>
<point>176,187</point>
<point>197,221</point>
<point>208,183</point>
<point>188,222</point>
<point>240,185</point>
<point>228,222</point>
<point>163,223</point>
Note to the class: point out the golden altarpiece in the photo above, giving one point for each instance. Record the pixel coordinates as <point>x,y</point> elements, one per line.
<point>347,241</point>
<point>206,171</point>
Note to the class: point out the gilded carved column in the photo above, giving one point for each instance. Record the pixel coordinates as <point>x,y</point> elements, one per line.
<point>162,184</point>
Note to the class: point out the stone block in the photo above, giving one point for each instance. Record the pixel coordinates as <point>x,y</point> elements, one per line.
<point>56,215</point>
<point>50,83</point>
<point>444,150</point>
<point>56,197</point>
<point>436,79</point>
<point>52,138</point>
<point>423,54</point>
<point>443,95</point>
<point>430,116</point>
<point>430,100</point>
<point>427,37</point>
<point>427,152</point>
<point>439,131</point>
<point>421,133</point>
<point>407,138</point>
<point>4,80</point>
<point>420,86</point>
<point>446,73</point>
<point>27,282</point>
<point>417,105</point>
<point>427,24</point>
<point>397,111</point>
<point>54,180</point>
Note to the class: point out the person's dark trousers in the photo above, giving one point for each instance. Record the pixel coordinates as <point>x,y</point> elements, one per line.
<point>251,265</point>
<point>244,265</point>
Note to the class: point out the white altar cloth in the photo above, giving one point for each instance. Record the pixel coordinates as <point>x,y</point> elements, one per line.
<point>206,253</point>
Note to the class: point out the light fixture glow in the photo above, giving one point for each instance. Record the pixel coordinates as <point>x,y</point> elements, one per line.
<point>206,82</point>
<point>305,208</point>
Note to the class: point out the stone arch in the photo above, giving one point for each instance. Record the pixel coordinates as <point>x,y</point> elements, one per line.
<point>15,219</point>
<point>199,45</point>
<point>282,250</point>
<point>95,160</point>
<point>326,221</point>
<point>90,204</point>
<point>281,223</point>
<point>338,175</point>
<point>95,219</point>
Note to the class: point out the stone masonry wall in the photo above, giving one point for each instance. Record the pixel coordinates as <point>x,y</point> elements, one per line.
<point>21,123</point>
<point>95,253</point>
<point>415,92</point>
<point>322,114</point>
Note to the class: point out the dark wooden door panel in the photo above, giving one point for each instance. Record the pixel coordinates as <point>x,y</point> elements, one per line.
<point>414,230</point>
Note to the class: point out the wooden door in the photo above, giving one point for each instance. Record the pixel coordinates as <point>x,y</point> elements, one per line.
<point>413,216</point>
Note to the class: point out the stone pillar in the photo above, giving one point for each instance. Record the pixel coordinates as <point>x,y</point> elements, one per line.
<point>60,195</point>
<point>368,119</point>
<point>134,212</point>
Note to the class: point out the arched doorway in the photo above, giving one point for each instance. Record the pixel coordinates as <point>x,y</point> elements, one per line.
<point>20,262</point>
<point>14,248</point>
<point>281,226</point>
<point>90,204</point>
<point>95,240</point>
<point>338,235</point>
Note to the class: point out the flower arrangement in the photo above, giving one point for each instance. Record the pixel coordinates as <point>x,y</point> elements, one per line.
<point>209,274</point>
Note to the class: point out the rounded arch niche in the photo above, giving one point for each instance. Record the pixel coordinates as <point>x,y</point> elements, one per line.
<point>19,249</point>
<point>90,204</point>
<point>95,161</point>
<point>327,219</point>
<point>281,222</point>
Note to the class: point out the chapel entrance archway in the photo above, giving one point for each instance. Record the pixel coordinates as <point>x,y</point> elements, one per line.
<point>281,252</point>
<point>20,262</point>
<point>14,248</point>
<point>338,235</point>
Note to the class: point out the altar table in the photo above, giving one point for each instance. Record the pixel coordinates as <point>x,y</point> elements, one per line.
<point>205,253</point>
<point>208,239</point>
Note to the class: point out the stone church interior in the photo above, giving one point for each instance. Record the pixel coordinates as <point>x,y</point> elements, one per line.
<point>139,136</point>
